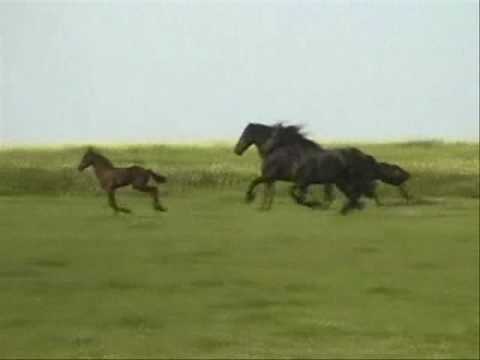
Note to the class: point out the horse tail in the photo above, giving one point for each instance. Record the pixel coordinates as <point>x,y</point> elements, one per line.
<point>157,177</point>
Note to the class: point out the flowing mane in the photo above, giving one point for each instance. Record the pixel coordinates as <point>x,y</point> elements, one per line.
<point>292,135</point>
<point>101,159</point>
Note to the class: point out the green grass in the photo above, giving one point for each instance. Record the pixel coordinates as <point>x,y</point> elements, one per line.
<point>439,169</point>
<point>214,277</point>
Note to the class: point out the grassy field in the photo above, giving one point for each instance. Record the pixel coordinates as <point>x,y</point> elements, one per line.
<point>215,277</point>
<point>439,169</point>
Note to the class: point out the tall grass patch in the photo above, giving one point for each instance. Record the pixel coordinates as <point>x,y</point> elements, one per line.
<point>439,169</point>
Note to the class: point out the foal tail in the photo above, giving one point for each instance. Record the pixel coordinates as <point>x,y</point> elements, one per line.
<point>157,177</point>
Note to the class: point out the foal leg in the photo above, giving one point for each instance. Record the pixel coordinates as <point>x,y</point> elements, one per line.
<point>113,203</point>
<point>153,191</point>
<point>404,193</point>
<point>250,195</point>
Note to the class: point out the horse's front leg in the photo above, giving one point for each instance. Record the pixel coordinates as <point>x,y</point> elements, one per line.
<point>353,196</point>
<point>269,194</point>
<point>404,192</point>
<point>250,195</point>
<point>328,195</point>
<point>370,191</point>
<point>376,198</point>
<point>113,203</point>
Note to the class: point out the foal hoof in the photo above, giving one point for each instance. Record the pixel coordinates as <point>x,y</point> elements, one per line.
<point>161,209</point>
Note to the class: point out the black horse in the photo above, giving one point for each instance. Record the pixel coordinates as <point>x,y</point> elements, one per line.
<point>354,172</point>
<point>351,170</point>
<point>258,135</point>
<point>393,175</point>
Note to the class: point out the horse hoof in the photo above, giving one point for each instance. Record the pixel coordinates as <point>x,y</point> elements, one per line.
<point>249,198</point>
<point>326,205</point>
<point>360,206</point>
<point>161,209</point>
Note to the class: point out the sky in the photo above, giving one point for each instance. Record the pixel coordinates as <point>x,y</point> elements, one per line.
<point>176,71</point>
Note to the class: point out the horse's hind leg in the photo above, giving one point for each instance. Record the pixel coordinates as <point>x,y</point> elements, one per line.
<point>299,194</point>
<point>328,196</point>
<point>113,203</point>
<point>153,191</point>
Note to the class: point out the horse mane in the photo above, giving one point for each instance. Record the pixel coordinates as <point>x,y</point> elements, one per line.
<point>293,135</point>
<point>101,158</point>
<point>265,131</point>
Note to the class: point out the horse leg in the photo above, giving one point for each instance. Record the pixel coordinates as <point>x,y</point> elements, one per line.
<point>352,196</point>
<point>250,195</point>
<point>293,192</point>
<point>299,194</point>
<point>269,193</point>
<point>377,199</point>
<point>113,203</point>
<point>328,196</point>
<point>153,191</point>
<point>371,192</point>
<point>404,193</point>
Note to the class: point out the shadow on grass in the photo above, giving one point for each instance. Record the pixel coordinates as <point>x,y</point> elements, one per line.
<point>261,304</point>
<point>212,344</point>
<point>425,266</point>
<point>20,273</point>
<point>207,284</point>
<point>48,263</point>
<point>16,323</point>
<point>366,249</point>
<point>316,330</point>
<point>390,292</point>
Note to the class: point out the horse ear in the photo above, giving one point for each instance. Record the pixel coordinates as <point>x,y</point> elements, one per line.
<point>89,149</point>
<point>278,125</point>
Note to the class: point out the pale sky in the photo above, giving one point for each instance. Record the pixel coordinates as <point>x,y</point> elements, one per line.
<point>77,72</point>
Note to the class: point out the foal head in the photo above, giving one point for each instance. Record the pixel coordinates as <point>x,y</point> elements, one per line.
<point>87,159</point>
<point>92,158</point>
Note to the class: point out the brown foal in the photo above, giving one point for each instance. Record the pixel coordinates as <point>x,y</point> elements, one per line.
<point>112,178</point>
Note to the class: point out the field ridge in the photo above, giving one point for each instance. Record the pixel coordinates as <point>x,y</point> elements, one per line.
<point>439,168</point>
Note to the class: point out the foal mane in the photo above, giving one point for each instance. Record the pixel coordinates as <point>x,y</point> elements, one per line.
<point>101,158</point>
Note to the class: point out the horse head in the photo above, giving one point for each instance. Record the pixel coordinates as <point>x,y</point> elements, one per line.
<point>253,134</point>
<point>87,159</point>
